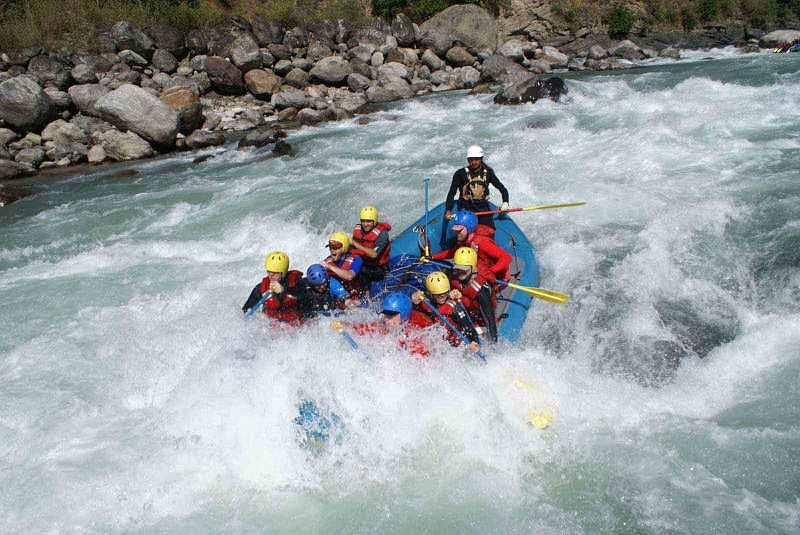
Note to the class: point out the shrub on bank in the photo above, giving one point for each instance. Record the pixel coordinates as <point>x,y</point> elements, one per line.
<point>620,21</point>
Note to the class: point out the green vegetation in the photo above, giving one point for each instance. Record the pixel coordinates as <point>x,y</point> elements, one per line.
<point>620,21</point>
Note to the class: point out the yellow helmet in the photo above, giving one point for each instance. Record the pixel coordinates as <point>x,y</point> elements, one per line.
<point>369,213</point>
<point>437,283</point>
<point>466,256</point>
<point>277,262</point>
<point>342,238</point>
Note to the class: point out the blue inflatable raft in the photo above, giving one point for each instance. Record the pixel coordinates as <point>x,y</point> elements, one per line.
<point>512,305</point>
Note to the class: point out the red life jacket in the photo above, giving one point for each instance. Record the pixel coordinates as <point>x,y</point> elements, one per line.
<point>288,307</point>
<point>368,240</point>
<point>446,309</point>
<point>408,339</point>
<point>352,286</point>
<point>469,292</point>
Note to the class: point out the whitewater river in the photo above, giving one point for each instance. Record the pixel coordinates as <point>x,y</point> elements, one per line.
<point>135,399</point>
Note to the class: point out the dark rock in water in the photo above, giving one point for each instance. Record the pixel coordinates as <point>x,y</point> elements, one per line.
<point>699,329</point>
<point>261,136</point>
<point>481,89</point>
<point>125,173</point>
<point>203,138</point>
<point>9,169</point>
<point>11,192</point>
<point>520,90</point>
<point>282,149</point>
<point>201,159</point>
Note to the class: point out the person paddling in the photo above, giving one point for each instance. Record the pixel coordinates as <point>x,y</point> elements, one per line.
<point>342,265</point>
<point>472,185</point>
<point>445,301</point>
<point>474,290</point>
<point>284,287</point>
<point>493,261</point>
<point>371,243</point>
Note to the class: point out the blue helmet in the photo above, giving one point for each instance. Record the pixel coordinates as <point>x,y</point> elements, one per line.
<point>398,302</point>
<point>316,274</point>
<point>467,219</point>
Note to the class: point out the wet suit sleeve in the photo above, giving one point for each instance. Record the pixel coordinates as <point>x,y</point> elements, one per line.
<point>454,186</point>
<point>463,324</point>
<point>255,295</point>
<point>494,181</point>
<point>486,308</point>
<point>381,243</point>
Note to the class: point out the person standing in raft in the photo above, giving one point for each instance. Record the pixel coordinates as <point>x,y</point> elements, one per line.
<point>321,294</point>
<point>397,317</point>
<point>472,185</point>
<point>342,265</point>
<point>493,260</point>
<point>371,243</point>
<point>284,287</point>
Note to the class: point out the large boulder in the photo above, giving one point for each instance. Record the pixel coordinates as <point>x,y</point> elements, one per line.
<point>49,72</point>
<point>553,57</point>
<point>472,26</point>
<point>332,70</point>
<point>9,169</point>
<point>123,146</point>
<point>262,84</point>
<point>245,54</point>
<point>514,49</point>
<point>167,38</point>
<point>317,50</point>
<point>32,157</point>
<point>398,88</point>
<point>297,78</point>
<point>134,109</point>
<point>497,67</point>
<point>267,31</point>
<point>23,104</point>
<point>377,94</point>
<point>84,74</point>
<point>357,82</point>
<point>436,40</point>
<point>126,37</point>
<point>308,116</point>
<point>85,97</point>
<point>60,131</point>
<point>225,77</point>
<point>164,61</point>
<point>403,30</point>
<point>185,102</point>
<point>289,97</point>
<point>394,69</point>
<point>59,99</point>
<point>626,50</point>
<point>200,139</point>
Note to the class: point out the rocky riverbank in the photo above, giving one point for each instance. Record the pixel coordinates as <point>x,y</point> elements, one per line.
<point>156,90</point>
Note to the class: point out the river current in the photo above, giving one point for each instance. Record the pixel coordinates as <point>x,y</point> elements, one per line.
<point>135,399</point>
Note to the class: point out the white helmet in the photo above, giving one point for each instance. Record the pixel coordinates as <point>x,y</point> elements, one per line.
<point>474,152</point>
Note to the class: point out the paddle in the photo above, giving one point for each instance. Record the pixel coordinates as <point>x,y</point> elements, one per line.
<point>539,293</point>
<point>339,329</point>
<point>530,208</point>
<point>452,327</point>
<point>427,181</point>
<point>258,305</point>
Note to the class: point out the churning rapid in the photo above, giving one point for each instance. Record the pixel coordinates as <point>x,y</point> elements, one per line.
<point>135,398</point>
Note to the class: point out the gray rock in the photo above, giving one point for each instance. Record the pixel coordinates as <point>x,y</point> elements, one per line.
<point>99,63</point>
<point>597,52</point>
<point>84,74</point>
<point>262,84</point>
<point>245,54</point>
<point>267,32</point>
<point>9,169</point>
<point>331,71</point>
<point>92,125</point>
<point>196,43</point>
<point>7,136</point>
<point>357,82</point>
<point>459,56</point>
<point>308,116</point>
<point>49,72</point>
<point>398,88</point>
<point>403,30</point>
<point>131,59</point>
<point>443,77</point>
<point>297,78</point>
<point>73,152</point>
<point>514,49</point>
<point>260,137</point>
<point>627,50</point>
<point>377,59</point>
<point>96,154</point>
<point>420,86</point>
<point>497,67</point>
<point>289,97</point>
<point>29,141</point>
<point>200,139</point>
<point>59,99</point>
<point>423,72</point>
<point>267,59</point>
<point>530,90</point>
<point>23,56</point>
<point>468,24</point>
<point>134,109</point>
<point>126,37</point>
<point>670,52</point>
<point>120,146</point>
<point>394,69</point>
<point>181,81</point>
<point>436,40</point>
<point>31,157</point>
<point>350,103</point>
<point>406,56</point>
<point>167,38</point>
<point>374,36</point>
<point>283,67</point>
<point>318,50</point>
<point>225,77</point>
<point>433,61</point>
<point>23,104</point>
<point>164,61</point>
<point>466,77</point>
<point>553,57</point>
<point>297,37</point>
<point>186,104</point>
<point>184,70</point>
<point>377,94</point>
<point>344,30</point>
<point>60,131</point>
<point>362,52</point>
<point>577,64</point>
<point>280,52</point>
<point>302,64</point>
<point>363,68</point>
<point>539,66</point>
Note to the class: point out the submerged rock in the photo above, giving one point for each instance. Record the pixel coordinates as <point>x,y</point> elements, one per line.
<point>11,193</point>
<point>9,169</point>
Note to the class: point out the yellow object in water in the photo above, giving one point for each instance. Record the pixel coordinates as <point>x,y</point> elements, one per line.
<point>537,419</point>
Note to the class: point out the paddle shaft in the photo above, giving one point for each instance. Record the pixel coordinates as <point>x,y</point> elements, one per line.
<point>453,327</point>
<point>258,305</point>
<point>531,208</point>
<point>427,181</point>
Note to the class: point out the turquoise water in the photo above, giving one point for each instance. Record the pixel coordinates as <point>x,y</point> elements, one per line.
<point>134,398</point>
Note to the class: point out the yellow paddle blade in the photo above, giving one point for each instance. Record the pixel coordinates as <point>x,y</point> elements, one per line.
<point>539,420</point>
<point>548,206</point>
<point>545,295</point>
